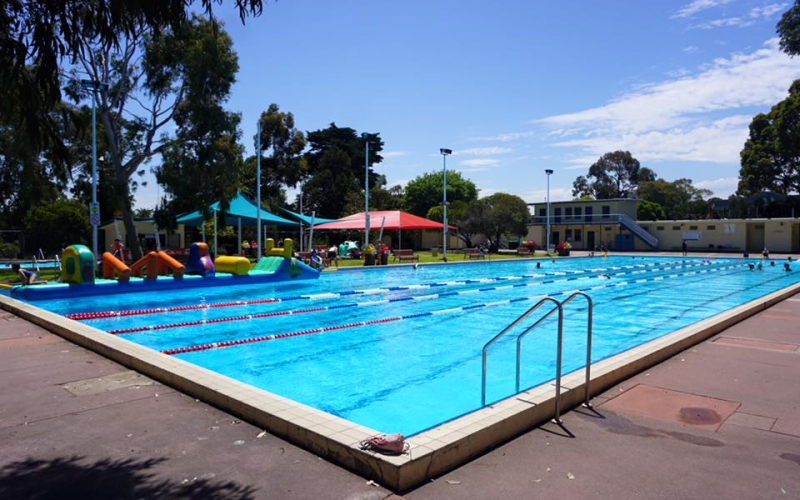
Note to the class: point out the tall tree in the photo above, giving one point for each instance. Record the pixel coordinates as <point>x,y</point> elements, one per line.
<point>337,168</point>
<point>203,163</point>
<point>771,155</point>
<point>282,163</point>
<point>504,215</point>
<point>613,175</point>
<point>285,144</point>
<point>426,191</point>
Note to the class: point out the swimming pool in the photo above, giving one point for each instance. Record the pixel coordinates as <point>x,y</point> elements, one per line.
<point>399,349</point>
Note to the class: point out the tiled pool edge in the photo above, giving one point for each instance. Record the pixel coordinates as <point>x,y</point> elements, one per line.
<point>433,452</point>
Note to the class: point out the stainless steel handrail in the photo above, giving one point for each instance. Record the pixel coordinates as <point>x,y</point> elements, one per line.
<point>586,402</point>
<point>559,306</point>
<point>509,327</point>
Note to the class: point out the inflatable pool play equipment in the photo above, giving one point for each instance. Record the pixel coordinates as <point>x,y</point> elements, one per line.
<point>159,271</point>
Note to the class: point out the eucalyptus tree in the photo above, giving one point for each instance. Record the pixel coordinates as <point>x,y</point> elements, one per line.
<point>203,163</point>
<point>41,37</point>
<point>614,175</point>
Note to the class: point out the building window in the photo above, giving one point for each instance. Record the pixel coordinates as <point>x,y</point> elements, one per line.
<point>568,212</point>
<point>659,228</point>
<point>712,228</point>
<point>578,235</point>
<point>692,228</point>
<point>542,212</point>
<point>568,234</point>
<point>578,211</point>
<point>676,228</point>
<point>606,209</point>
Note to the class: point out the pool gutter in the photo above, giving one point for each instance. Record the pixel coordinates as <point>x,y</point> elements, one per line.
<point>433,452</point>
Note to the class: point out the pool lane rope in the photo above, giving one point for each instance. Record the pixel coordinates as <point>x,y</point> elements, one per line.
<point>245,317</point>
<point>312,331</point>
<point>334,295</point>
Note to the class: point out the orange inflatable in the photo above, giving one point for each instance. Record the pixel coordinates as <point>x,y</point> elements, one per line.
<point>157,264</point>
<point>115,268</point>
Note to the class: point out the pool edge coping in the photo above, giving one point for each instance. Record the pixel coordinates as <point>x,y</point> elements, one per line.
<point>432,452</point>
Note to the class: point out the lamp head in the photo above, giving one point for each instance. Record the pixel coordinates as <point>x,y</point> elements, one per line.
<point>548,171</point>
<point>445,151</point>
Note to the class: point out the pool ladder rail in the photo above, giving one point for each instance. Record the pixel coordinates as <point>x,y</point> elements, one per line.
<point>557,307</point>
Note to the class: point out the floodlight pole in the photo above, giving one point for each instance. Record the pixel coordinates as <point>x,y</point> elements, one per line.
<point>548,172</point>
<point>94,208</point>
<point>444,152</point>
<point>365,136</point>
<point>258,189</point>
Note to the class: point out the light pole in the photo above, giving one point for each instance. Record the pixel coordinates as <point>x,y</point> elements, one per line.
<point>365,136</point>
<point>444,152</point>
<point>94,207</point>
<point>258,190</point>
<point>548,172</point>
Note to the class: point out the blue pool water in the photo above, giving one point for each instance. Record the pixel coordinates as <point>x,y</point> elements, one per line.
<point>399,350</point>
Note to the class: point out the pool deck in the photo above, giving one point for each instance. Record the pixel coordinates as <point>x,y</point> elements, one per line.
<point>720,419</point>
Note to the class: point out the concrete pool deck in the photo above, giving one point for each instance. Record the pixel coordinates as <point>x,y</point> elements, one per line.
<point>725,420</point>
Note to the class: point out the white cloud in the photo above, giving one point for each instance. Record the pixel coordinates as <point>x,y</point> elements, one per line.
<point>703,117</point>
<point>690,49</point>
<point>513,136</point>
<point>721,187</point>
<point>483,151</point>
<point>697,6</point>
<point>756,14</point>
<point>768,11</point>
<point>393,154</point>
<point>480,162</point>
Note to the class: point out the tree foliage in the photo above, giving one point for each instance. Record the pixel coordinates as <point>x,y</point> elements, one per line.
<point>613,175</point>
<point>650,210</point>
<point>285,144</point>
<point>202,164</point>
<point>55,225</point>
<point>788,30</point>
<point>41,35</point>
<point>426,191</point>
<point>336,169</point>
<point>504,215</point>
<point>678,199</point>
<point>770,159</point>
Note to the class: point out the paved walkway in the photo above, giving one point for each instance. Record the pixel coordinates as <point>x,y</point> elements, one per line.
<point>720,420</point>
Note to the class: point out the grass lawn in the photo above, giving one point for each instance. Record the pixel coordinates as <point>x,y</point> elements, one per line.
<point>426,257</point>
<point>9,277</point>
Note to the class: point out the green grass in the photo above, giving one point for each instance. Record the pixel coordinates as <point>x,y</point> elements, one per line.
<point>10,277</point>
<point>426,257</point>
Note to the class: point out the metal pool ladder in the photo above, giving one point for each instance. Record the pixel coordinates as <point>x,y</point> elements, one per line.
<point>557,307</point>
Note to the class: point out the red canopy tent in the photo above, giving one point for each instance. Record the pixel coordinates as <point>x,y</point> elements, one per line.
<point>383,219</point>
<point>388,219</point>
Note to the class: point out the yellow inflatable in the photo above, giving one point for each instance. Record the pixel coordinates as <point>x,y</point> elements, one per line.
<point>272,251</point>
<point>238,266</point>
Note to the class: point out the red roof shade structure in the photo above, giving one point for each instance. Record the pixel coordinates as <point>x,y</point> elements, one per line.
<point>389,219</point>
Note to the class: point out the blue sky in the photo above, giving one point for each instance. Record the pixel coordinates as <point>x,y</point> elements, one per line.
<point>515,87</point>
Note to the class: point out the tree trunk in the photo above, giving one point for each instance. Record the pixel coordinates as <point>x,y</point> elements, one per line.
<point>132,236</point>
<point>130,231</point>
